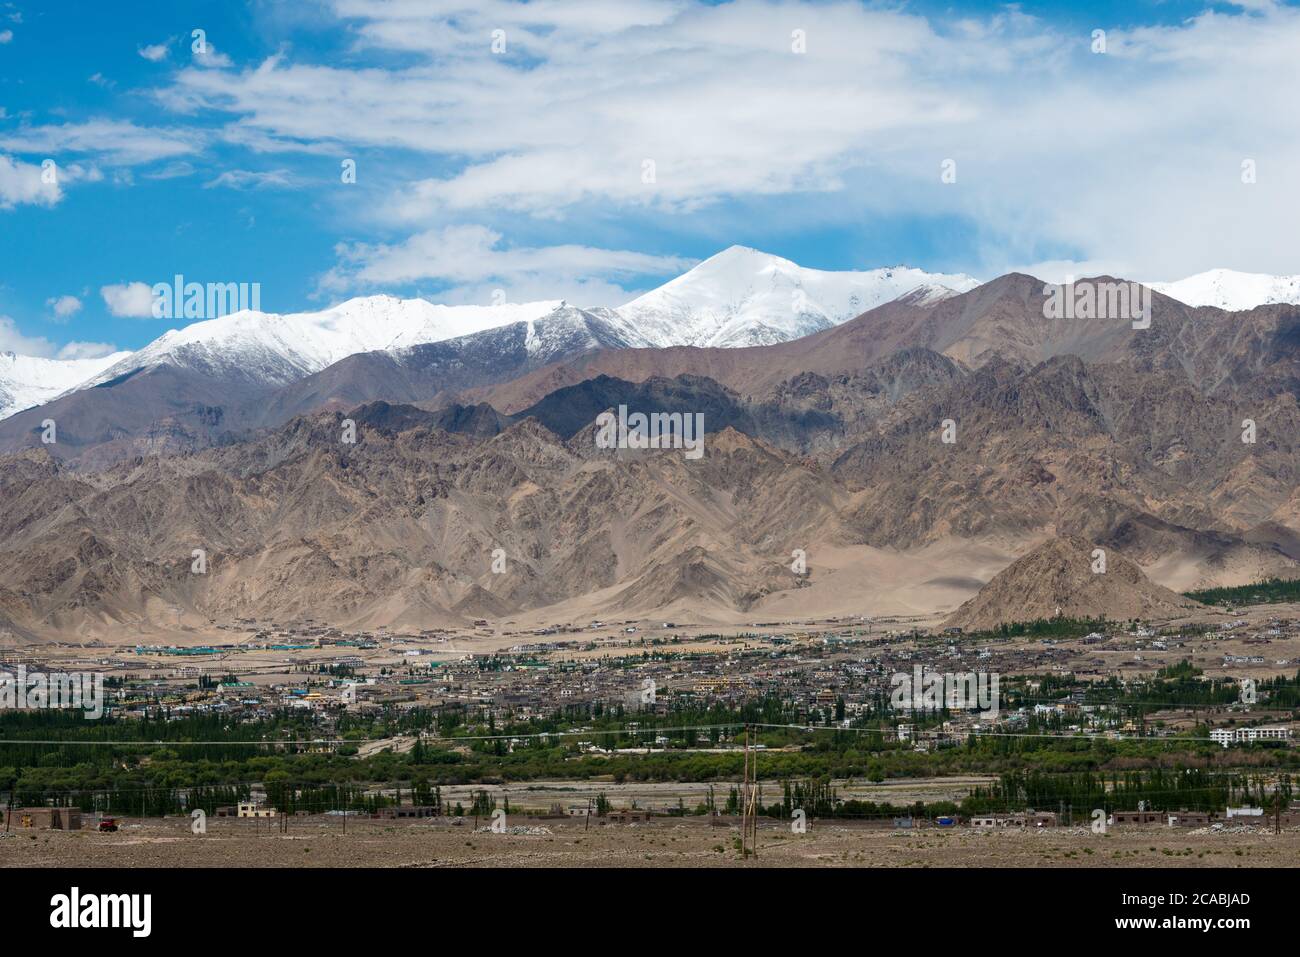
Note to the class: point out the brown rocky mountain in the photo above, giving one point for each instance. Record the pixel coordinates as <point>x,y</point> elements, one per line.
<point>1064,577</point>
<point>166,408</point>
<point>1082,447</point>
<point>911,453</point>
<point>1212,349</point>
<point>159,410</point>
<point>401,528</point>
<point>516,366</point>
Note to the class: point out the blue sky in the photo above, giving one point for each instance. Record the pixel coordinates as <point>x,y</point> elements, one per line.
<point>524,169</point>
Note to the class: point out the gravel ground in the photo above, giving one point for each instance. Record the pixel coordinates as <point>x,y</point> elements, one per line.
<point>320,842</point>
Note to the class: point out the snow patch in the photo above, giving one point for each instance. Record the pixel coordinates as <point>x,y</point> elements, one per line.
<point>1231,290</point>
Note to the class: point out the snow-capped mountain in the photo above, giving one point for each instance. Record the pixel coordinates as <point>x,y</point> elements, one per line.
<point>271,349</point>
<point>416,373</point>
<point>739,297</point>
<point>1234,291</point>
<point>564,328</point>
<point>26,381</point>
<point>743,297</point>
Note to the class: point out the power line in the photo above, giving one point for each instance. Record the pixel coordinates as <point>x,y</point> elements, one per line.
<point>349,741</point>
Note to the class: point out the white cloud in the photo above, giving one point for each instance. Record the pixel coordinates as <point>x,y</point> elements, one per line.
<point>63,307</point>
<point>250,179</point>
<point>472,262</point>
<point>129,300</point>
<point>6,36</point>
<point>1132,156</point>
<point>154,52</point>
<point>21,183</point>
<point>12,340</point>
<point>173,170</point>
<point>86,350</point>
<point>115,141</point>
<point>210,59</point>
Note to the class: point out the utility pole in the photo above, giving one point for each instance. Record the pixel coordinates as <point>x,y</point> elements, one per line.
<point>749,802</point>
<point>746,795</point>
<point>744,802</point>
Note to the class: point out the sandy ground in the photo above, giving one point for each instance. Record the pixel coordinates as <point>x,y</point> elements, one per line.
<point>924,584</point>
<point>663,794</point>
<point>927,582</point>
<point>665,842</point>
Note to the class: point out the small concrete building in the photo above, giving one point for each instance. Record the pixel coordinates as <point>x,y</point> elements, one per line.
<point>47,818</point>
<point>408,810</point>
<point>627,816</point>
<point>1190,818</point>
<point>1136,817</point>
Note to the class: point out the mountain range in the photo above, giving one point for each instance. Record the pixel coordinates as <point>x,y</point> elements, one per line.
<point>910,453</point>
<point>738,297</point>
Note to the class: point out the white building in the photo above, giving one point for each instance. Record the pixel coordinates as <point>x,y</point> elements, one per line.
<point>1263,734</point>
<point>1227,736</point>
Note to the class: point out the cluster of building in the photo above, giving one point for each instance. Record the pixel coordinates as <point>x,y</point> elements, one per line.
<point>833,673</point>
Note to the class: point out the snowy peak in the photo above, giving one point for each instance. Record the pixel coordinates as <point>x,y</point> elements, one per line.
<point>738,297</point>
<point>744,297</point>
<point>568,330</point>
<point>927,294</point>
<point>26,381</point>
<point>1231,290</point>
<point>273,349</point>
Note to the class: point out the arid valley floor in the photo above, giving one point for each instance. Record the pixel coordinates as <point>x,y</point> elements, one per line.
<point>319,842</point>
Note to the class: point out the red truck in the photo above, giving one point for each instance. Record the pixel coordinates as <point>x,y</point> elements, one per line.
<point>108,824</point>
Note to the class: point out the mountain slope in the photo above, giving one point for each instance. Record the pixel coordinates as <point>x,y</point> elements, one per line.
<point>1058,578</point>
<point>427,372</point>
<point>194,398</point>
<point>1004,318</point>
<point>160,409</point>
<point>738,297</point>
<point>398,528</point>
<point>515,366</point>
